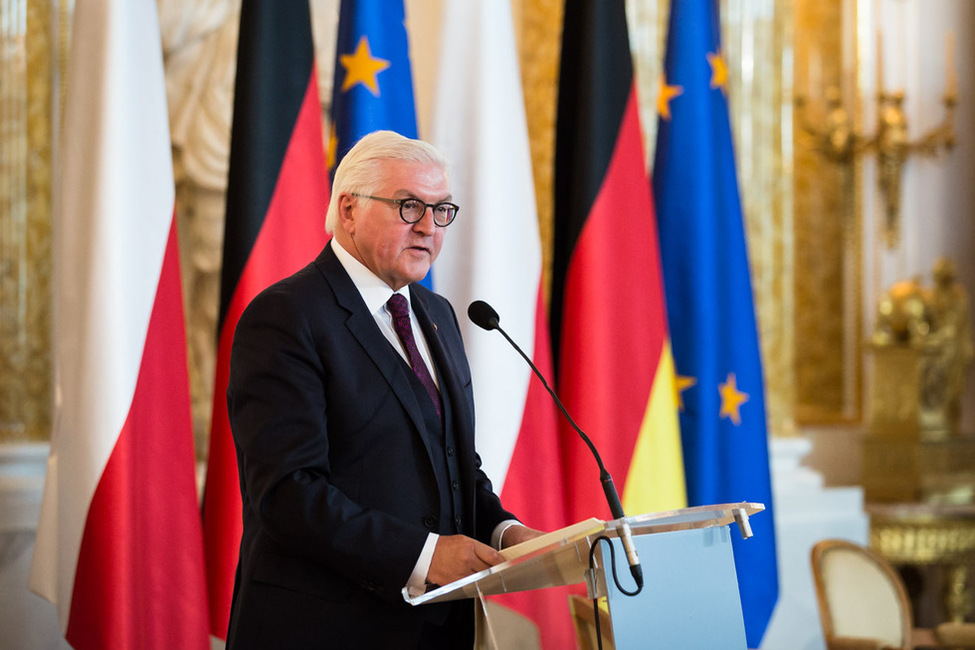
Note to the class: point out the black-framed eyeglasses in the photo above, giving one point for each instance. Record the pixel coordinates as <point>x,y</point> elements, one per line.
<point>412,210</point>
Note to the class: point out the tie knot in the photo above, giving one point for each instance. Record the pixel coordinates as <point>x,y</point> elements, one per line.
<point>398,307</point>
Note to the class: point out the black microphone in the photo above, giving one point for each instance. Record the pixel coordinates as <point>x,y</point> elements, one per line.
<point>484,316</point>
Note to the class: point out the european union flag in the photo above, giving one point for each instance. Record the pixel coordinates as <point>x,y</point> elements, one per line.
<point>373,81</point>
<point>373,86</point>
<point>709,298</point>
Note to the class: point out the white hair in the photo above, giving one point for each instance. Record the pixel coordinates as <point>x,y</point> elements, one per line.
<point>361,169</point>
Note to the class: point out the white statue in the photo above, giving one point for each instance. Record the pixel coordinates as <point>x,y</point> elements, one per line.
<point>200,53</point>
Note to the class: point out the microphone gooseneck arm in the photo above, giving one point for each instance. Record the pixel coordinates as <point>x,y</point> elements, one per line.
<point>484,316</point>
<point>608,487</point>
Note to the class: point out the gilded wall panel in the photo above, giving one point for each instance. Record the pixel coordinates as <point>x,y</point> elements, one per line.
<point>27,56</point>
<point>828,267</point>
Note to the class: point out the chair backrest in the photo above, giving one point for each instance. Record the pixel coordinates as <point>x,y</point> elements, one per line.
<point>584,620</point>
<point>860,594</point>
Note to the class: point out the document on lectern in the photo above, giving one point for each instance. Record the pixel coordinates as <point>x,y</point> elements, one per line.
<point>553,559</point>
<point>562,536</point>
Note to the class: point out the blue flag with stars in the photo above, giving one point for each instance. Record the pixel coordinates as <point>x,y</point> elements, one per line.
<point>373,87</point>
<point>709,298</point>
<point>373,81</point>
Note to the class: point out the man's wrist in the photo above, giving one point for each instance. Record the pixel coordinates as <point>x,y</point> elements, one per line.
<point>417,583</point>
<point>497,536</point>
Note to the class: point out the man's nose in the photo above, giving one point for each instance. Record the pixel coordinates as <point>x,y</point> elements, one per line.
<point>426,225</point>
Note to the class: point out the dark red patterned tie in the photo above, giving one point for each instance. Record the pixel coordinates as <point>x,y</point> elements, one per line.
<point>400,312</point>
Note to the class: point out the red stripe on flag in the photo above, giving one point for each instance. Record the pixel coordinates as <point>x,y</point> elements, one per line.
<point>140,576</point>
<point>613,324</point>
<point>536,457</point>
<point>291,236</point>
<point>533,489</point>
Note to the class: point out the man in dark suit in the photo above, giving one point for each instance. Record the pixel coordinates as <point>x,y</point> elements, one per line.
<point>355,437</point>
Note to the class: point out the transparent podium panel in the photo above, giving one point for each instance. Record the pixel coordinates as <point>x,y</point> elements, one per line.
<point>690,596</point>
<point>561,557</point>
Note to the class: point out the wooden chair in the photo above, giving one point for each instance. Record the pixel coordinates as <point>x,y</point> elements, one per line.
<point>585,624</point>
<point>863,604</point>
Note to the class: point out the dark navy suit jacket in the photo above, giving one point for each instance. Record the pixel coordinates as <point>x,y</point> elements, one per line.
<point>338,484</point>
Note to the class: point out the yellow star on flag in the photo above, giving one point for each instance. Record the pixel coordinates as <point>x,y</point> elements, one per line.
<point>731,399</point>
<point>681,384</point>
<point>719,71</point>
<point>664,96</point>
<point>362,68</point>
<point>331,151</point>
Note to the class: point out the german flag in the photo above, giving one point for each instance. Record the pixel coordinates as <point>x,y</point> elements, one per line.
<point>277,196</point>
<point>609,326</point>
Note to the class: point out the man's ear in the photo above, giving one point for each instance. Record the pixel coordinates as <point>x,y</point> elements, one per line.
<point>345,212</point>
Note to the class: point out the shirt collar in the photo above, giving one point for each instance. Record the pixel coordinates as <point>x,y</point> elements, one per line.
<point>374,291</point>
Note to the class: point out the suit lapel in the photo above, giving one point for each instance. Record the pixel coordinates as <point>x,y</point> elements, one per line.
<point>451,383</point>
<point>362,326</point>
<point>431,332</point>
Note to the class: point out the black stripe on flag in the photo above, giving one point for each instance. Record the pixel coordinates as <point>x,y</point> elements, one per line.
<point>594,83</point>
<point>275,54</point>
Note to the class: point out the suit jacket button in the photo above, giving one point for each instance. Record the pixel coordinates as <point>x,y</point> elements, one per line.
<point>430,522</point>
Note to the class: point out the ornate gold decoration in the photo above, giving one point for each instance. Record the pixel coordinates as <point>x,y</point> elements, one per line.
<point>922,345</point>
<point>930,535</point>
<point>893,147</point>
<point>835,140</point>
<point>840,142</point>
<point>921,348</point>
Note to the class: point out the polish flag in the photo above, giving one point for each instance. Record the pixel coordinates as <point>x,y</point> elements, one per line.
<point>119,545</point>
<point>493,253</point>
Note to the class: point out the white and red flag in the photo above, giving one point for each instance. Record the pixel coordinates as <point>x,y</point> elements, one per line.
<point>494,253</point>
<point>119,546</point>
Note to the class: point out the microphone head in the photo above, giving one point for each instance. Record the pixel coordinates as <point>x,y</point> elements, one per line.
<point>483,315</point>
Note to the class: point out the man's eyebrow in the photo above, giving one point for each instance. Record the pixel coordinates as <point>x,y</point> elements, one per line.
<point>408,194</point>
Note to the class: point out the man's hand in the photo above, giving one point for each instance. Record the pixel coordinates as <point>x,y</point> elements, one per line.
<point>458,556</point>
<point>517,534</point>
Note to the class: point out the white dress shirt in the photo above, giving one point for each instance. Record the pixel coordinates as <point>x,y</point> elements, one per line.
<point>376,293</point>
